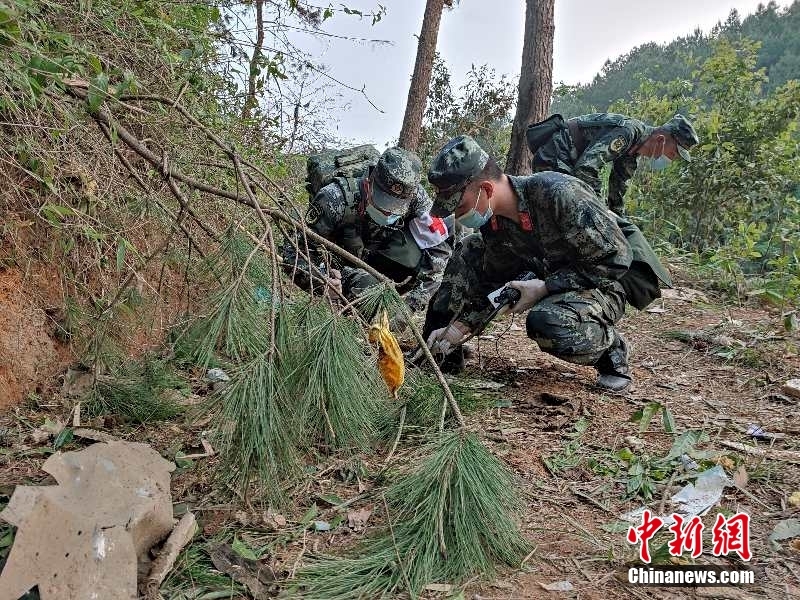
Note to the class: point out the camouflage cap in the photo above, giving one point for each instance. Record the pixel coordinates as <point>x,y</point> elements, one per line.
<point>395,180</point>
<point>682,130</point>
<point>457,162</point>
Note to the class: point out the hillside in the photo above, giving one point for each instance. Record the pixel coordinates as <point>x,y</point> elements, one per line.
<point>779,55</point>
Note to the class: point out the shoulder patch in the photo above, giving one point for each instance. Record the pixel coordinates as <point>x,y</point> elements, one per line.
<point>617,144</point>
<point>313,214</point>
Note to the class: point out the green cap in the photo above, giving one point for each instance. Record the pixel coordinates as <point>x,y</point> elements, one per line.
<point>395,180</point>
<point>684,134</point>
<point>457,162</point>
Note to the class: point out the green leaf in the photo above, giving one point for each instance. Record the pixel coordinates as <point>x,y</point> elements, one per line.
<point>94,63</point>
<point>311,513</point>
<point>181,461</point>
<point>243,549</point>
<point>669,421</point>
<point>122,245</point>
<point>684,444</point>
<point>645,415</point>
<point>98,90</point>
<point>55,213</point>
<point>331,499</point>
<point>63,438</point>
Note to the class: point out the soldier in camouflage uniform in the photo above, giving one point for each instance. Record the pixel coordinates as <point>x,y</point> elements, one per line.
<point>583,145</point>
<point>384,219</point>
<point>548,223</point>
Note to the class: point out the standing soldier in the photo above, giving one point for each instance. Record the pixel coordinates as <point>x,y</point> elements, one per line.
<point>582,145</point>
<point>384,219</point>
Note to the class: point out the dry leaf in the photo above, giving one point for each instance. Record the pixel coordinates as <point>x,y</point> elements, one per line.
<point>794,499</point>
<point>357,519</point>
<point>740,478</point>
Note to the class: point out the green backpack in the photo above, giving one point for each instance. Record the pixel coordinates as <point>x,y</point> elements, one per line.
<point>330,165</point>
<point>642,282</point>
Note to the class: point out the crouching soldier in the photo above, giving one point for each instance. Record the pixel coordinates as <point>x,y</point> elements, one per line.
<point>549,223</point>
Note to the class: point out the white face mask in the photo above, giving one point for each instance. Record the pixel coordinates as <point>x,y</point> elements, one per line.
<point>472,218</point>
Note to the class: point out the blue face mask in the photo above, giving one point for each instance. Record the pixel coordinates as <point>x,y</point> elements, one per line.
<point>380,218</point>
<point>660,163</point>
<point>473,219</point>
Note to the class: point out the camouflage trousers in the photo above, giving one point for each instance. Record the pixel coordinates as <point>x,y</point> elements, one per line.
<point>576,326</point>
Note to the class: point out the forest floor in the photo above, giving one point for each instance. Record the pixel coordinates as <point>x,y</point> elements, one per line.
<point>563,439</point>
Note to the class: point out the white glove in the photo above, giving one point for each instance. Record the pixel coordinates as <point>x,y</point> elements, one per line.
<point>333,282</point>
<point>443,341</point>
<point>532,291</point>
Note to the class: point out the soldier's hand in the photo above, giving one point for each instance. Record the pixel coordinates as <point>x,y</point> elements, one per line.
<point>532,291</point>
<point>333,282</point>
<point>443,341</point>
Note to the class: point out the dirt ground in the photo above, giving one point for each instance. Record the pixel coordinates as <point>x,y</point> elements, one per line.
<point>561,437</point>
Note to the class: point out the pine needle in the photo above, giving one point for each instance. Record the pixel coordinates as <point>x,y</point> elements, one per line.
<point>233,320</point>
<point>340,392</point>
<point>454,518</point>
<point>135,391</point>
<point>259,428</point>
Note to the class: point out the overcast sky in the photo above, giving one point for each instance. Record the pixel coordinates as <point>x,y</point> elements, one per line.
<point>490,32</point>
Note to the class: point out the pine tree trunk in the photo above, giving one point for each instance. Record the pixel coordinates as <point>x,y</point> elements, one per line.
<point>421,79</point>
<point>535,81</point>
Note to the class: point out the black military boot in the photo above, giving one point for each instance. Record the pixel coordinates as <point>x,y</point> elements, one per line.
<point>613,368</point>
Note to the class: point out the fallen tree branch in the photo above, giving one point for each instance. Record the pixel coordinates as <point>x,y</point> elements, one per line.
<point>784,455</point>
<point>102,115</point>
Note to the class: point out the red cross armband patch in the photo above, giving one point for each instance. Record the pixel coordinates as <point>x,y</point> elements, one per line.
<point>428,231</point>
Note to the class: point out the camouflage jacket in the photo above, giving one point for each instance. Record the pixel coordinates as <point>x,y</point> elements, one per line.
<point>607,138</point>
<point>417,246</point>
<point>565,236</point>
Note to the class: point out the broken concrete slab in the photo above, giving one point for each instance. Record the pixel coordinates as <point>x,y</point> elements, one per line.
<point>81,538</point>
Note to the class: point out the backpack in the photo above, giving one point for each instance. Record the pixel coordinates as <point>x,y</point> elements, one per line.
<point>642,281</point>
<point>347,164</point>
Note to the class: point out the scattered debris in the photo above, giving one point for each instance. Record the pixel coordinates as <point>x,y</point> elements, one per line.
<point>791,456</point>
<point>216,375</point>
<point>181,535</point>
<point>81,538</point>
<point>792,388</point>
<point>558,586</point>
<point>692,499</point>
<point>757,432</point>
<point>698,498</point>
<point>784,530</point>
<point>251,573</point>
<point>322,526</point>
<point>794,499</point>
<point>273,520</point>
